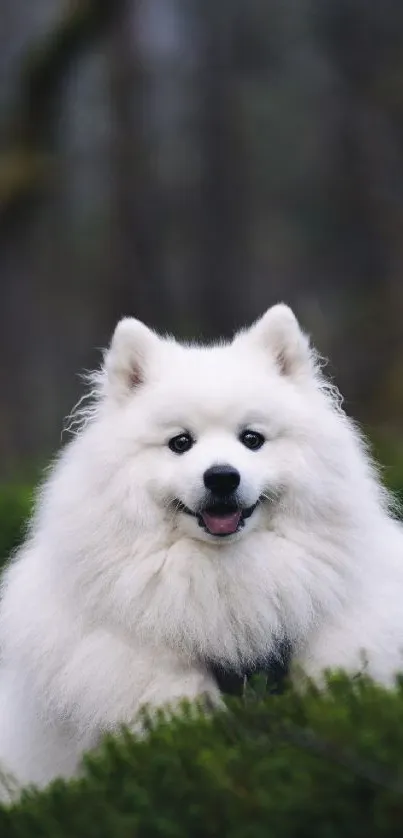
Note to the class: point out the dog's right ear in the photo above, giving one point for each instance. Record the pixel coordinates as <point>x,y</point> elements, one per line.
<point>126,363</point>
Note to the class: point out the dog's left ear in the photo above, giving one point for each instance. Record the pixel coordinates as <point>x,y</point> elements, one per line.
<point>279,333</point>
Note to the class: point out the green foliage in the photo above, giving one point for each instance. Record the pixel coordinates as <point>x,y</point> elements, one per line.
<point>326,764</point>
<point>15,507</point>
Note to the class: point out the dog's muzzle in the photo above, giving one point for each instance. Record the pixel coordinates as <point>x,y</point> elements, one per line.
<point>220,517</point>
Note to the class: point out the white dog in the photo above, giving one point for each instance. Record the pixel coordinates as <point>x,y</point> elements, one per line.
<point>215,503</point>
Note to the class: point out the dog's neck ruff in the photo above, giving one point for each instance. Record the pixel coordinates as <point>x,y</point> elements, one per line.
<point>274,667</point>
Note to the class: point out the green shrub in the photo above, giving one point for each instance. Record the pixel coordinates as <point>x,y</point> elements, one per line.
<point>323,765</point>
<point>15,508</point>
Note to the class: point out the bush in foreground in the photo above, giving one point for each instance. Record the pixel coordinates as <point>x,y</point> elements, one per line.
<point>322,765</point>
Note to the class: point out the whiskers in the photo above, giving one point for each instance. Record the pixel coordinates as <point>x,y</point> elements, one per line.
<point>270,495</point>
<point>173,507</point>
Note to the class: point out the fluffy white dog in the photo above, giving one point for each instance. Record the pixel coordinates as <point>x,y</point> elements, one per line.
<point>215,504</point>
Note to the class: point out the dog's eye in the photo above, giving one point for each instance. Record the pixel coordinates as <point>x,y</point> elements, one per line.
<point>181,443</point>
<point>252,440</point>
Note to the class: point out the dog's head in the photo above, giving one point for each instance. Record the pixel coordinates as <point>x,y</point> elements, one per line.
<point>219,437</point>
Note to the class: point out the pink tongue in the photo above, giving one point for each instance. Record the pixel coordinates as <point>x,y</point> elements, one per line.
<point>221,524</point>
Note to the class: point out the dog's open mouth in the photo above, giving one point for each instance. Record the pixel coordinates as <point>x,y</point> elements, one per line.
<point>220,519</point>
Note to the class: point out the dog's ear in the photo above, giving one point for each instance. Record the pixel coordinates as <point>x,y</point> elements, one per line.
<point>126,363</point>
<point>279,333</point>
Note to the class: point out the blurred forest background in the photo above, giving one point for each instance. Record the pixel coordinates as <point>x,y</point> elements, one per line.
<point>191,162</point>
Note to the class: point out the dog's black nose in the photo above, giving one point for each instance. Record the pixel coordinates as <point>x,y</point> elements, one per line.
<point>221,480</point>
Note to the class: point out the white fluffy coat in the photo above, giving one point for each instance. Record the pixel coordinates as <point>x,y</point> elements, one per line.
<point>117,597</point>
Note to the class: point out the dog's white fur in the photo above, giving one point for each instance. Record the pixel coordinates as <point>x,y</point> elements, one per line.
<point>117,598</point>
